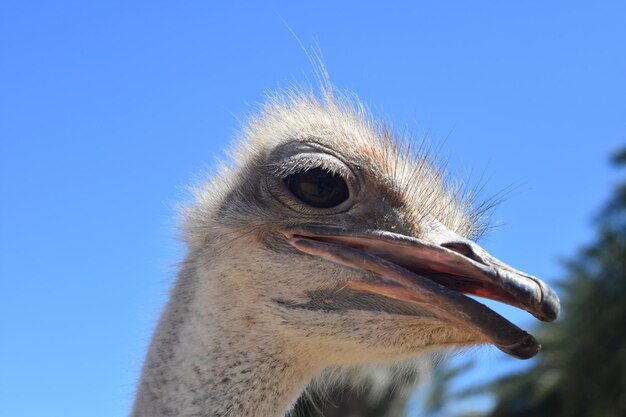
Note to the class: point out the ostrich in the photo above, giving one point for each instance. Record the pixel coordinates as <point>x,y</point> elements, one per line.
<point>327,242</point>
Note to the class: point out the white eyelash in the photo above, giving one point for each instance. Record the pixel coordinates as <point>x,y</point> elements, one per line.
<point>301,163</point>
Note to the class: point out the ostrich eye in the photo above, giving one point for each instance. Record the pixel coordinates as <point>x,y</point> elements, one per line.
<point>318,187</point>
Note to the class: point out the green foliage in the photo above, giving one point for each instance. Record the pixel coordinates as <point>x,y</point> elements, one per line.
<point>582,371</point>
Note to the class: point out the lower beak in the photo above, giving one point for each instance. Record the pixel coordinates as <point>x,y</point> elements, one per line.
<point>437,272</point>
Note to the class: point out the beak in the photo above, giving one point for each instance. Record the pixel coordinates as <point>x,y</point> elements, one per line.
<point>436,272</point>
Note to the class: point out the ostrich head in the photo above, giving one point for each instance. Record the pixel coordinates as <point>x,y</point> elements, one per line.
<point>331,235</point>
<point>325,243</point>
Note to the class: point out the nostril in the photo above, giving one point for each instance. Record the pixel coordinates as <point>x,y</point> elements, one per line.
<point>464,249</point>
<point>459,247</point>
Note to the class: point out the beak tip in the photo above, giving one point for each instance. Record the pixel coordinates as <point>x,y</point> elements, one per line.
<point>550,306</point>
<point>525,349</point>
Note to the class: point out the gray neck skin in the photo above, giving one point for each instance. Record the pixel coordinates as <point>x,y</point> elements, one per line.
<point>206,361</point>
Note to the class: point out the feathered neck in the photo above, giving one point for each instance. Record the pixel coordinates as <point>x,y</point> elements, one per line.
<point>204,360</point>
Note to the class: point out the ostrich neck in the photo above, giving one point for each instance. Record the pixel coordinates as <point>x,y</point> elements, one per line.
<point>206,361</point>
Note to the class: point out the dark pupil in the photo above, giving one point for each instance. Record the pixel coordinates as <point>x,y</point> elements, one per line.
<point>318,188</point>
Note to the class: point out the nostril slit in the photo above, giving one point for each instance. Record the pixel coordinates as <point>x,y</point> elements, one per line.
<point>463,249</point>
<point>459,247</point>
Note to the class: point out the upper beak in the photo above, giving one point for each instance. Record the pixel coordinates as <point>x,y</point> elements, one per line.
<point>436,272</point>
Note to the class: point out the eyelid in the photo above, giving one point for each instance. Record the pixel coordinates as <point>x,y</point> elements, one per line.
<point>303,162</point>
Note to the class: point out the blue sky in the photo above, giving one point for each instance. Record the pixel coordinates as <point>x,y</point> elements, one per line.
<point>109,109</point>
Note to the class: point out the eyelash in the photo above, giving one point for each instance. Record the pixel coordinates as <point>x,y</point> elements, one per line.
<point>295,166</point>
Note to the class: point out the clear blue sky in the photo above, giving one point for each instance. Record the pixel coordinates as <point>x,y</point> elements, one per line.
<point>109,109</point>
